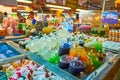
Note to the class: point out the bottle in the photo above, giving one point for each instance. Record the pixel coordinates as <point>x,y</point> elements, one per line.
<point>115,35</point>
<point>110,35</point>
<point>110,32</point>
<point>3,75</point>
<point>119,34</point>
<point>107,29</point>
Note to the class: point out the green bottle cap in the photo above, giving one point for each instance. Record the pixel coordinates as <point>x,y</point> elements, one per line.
<point>3,76</point>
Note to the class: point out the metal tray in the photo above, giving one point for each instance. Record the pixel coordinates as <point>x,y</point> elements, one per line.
<point>98,74</point>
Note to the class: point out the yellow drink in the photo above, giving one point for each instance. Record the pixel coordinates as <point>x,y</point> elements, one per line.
<point>75,51</point>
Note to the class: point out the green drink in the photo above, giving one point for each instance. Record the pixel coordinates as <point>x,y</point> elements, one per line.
<point>94,59</point>
<point>20,26</point>
<point>54,58</point>
<point>98,46</point>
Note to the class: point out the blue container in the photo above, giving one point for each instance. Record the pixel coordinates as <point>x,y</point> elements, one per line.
<point>64,63</point>
<point>2,37</point>
<point>64,49</point>
<point>76,67</point>
<point>7,51</point>
<point>17,34</point>
<point>81,43</point>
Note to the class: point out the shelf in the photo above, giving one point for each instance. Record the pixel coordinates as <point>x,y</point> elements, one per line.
<point>12,38</point>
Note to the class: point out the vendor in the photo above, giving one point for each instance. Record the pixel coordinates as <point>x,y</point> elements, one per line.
<point>5,15</point>
<point>31,15</point>
<point>21,19</point>
<point>32,19</point>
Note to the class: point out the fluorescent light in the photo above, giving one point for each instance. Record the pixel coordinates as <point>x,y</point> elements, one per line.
<point>36,11</point>
<point>26,11</point>
<point>84,11</point>
<point>81,10</point>
<point>77,12</point>
<point>55,6</point>
<point>24,1</point>
<point>22,6</point>
<point>78,9</point>
<point>23,11</point>
<point>56,9</point>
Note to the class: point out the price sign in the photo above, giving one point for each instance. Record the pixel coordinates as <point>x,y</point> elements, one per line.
<point>51,1</point>
<point>72,3</point>
<point>8,2</point>
<point>59,2</point>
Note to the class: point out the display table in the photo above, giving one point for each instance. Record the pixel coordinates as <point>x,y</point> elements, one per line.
<point>114,72</point>
<point>110,67</point>
<point>111,46</point>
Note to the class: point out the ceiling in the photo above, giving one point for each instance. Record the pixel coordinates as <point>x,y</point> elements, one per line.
<point>98,4</point>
